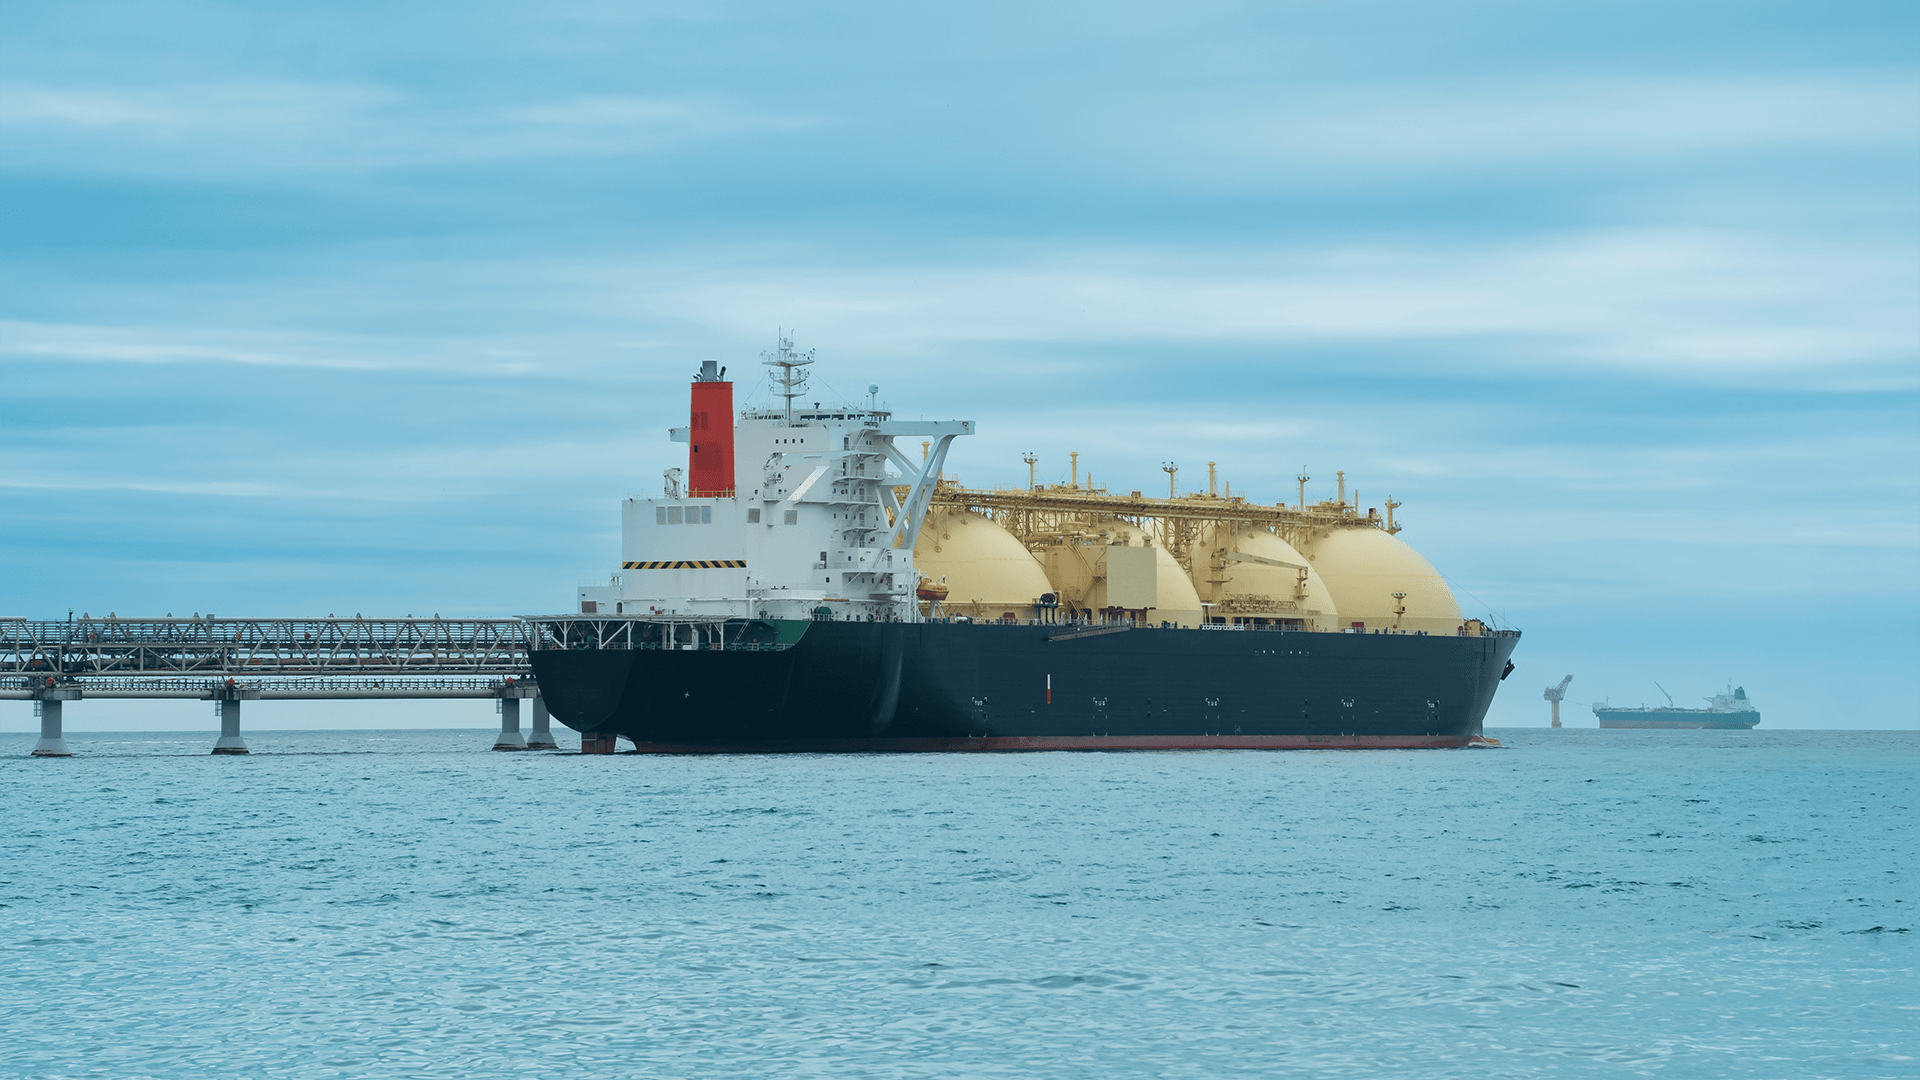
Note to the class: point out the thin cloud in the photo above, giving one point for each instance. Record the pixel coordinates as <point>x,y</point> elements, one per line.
<point>593,115</point>
<point>25,341</point>
<point>1690,304</point>
<point>1693,302</point>
<point>21,340</point>
<point>86,109</point>
<point>1610,123</point>
<point>327,129</point>
<point>179,458</point>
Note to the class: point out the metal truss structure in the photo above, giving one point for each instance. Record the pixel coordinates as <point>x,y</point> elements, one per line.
<point>55,664</point>
<point>253,648</point>
<point>1035,515</point>
<point>596,632</point>
<point>278,688</point>
<point>718,632</point>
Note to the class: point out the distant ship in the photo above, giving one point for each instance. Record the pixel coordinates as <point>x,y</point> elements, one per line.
<point>1728,710</point>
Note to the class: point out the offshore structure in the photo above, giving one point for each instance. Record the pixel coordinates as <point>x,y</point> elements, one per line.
<point>1555,695</point>
<point>804,584</point>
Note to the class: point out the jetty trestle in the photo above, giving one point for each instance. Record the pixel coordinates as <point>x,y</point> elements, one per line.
<point>230,661</point>
<point>510,694</point>
<point>208,646</point>
<point>49,705</point>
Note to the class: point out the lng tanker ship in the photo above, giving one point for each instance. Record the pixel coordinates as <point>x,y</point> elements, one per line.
<point>807,585</point>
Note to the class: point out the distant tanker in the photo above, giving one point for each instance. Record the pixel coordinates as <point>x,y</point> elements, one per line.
<point>1725,710</point>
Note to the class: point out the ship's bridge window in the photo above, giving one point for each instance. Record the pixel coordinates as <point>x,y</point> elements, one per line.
<point>753,515</point>
<point>793,517</point>
<point>674,515</point>
<point>699,515</point>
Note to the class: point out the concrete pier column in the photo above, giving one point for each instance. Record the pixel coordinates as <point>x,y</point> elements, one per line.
<point>230,740</point>
<point>510,737</point>
<point>52,743</point>
<point>542,735</point>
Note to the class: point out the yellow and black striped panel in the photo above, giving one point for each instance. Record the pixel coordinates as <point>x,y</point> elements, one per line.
<point>687,564</point>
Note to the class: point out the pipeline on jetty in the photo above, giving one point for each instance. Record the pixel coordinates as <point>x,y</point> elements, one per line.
<point>230,661</point>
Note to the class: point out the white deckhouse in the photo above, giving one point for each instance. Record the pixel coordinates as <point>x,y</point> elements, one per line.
<point>790,511</point>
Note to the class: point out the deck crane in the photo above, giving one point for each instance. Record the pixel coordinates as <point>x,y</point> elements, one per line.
<point>1556,694</point>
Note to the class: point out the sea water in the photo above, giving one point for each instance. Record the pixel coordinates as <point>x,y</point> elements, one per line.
<point>409,904</point>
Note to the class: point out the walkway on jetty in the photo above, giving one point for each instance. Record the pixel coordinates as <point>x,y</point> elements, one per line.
<point>235,660</point>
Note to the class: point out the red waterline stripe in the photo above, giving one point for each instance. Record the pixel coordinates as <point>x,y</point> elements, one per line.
<point>1067,742</point>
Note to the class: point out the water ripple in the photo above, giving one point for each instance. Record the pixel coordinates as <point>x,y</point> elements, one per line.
<point>318,910</point>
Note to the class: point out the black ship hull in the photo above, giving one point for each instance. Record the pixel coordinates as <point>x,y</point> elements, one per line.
<point>859,686</point>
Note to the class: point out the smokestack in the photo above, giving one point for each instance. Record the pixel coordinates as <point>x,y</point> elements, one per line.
<point>710,434</point>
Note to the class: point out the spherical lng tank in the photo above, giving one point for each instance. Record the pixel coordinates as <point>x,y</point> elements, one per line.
<point>1262,592</point>
<point>988,573</point>
<point>1083,569</point>
<point>1074,572</point>
<point>1364,567</point>
<point>1178,602</point>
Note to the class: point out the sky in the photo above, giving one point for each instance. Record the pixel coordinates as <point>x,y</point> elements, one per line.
<point>382,308</point>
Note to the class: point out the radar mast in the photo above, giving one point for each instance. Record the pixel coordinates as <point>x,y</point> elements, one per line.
<point>788,369</point>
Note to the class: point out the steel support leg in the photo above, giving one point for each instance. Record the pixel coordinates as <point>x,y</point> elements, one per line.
<point>230,740</point>
<point>51,743</point>
<point>510,737</point>
<point>542,736</point>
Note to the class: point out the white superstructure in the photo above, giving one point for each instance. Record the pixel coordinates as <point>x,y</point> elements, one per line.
<point>813,519</point>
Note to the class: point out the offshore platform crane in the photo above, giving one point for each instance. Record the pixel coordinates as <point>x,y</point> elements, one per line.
<point>1557,694</point>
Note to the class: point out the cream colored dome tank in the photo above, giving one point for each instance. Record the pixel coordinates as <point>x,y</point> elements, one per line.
<point>1179,603</point>
<point>1364,567</point>
<point>988,572</point>
<point>1263,591</point>
<point>1078,571</point>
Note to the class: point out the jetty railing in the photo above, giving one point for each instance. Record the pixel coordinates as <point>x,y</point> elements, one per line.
<point>329,646</point>
<point>234,660</point>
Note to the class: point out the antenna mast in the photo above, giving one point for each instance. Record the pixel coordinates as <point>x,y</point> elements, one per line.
<point>787,372</point>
